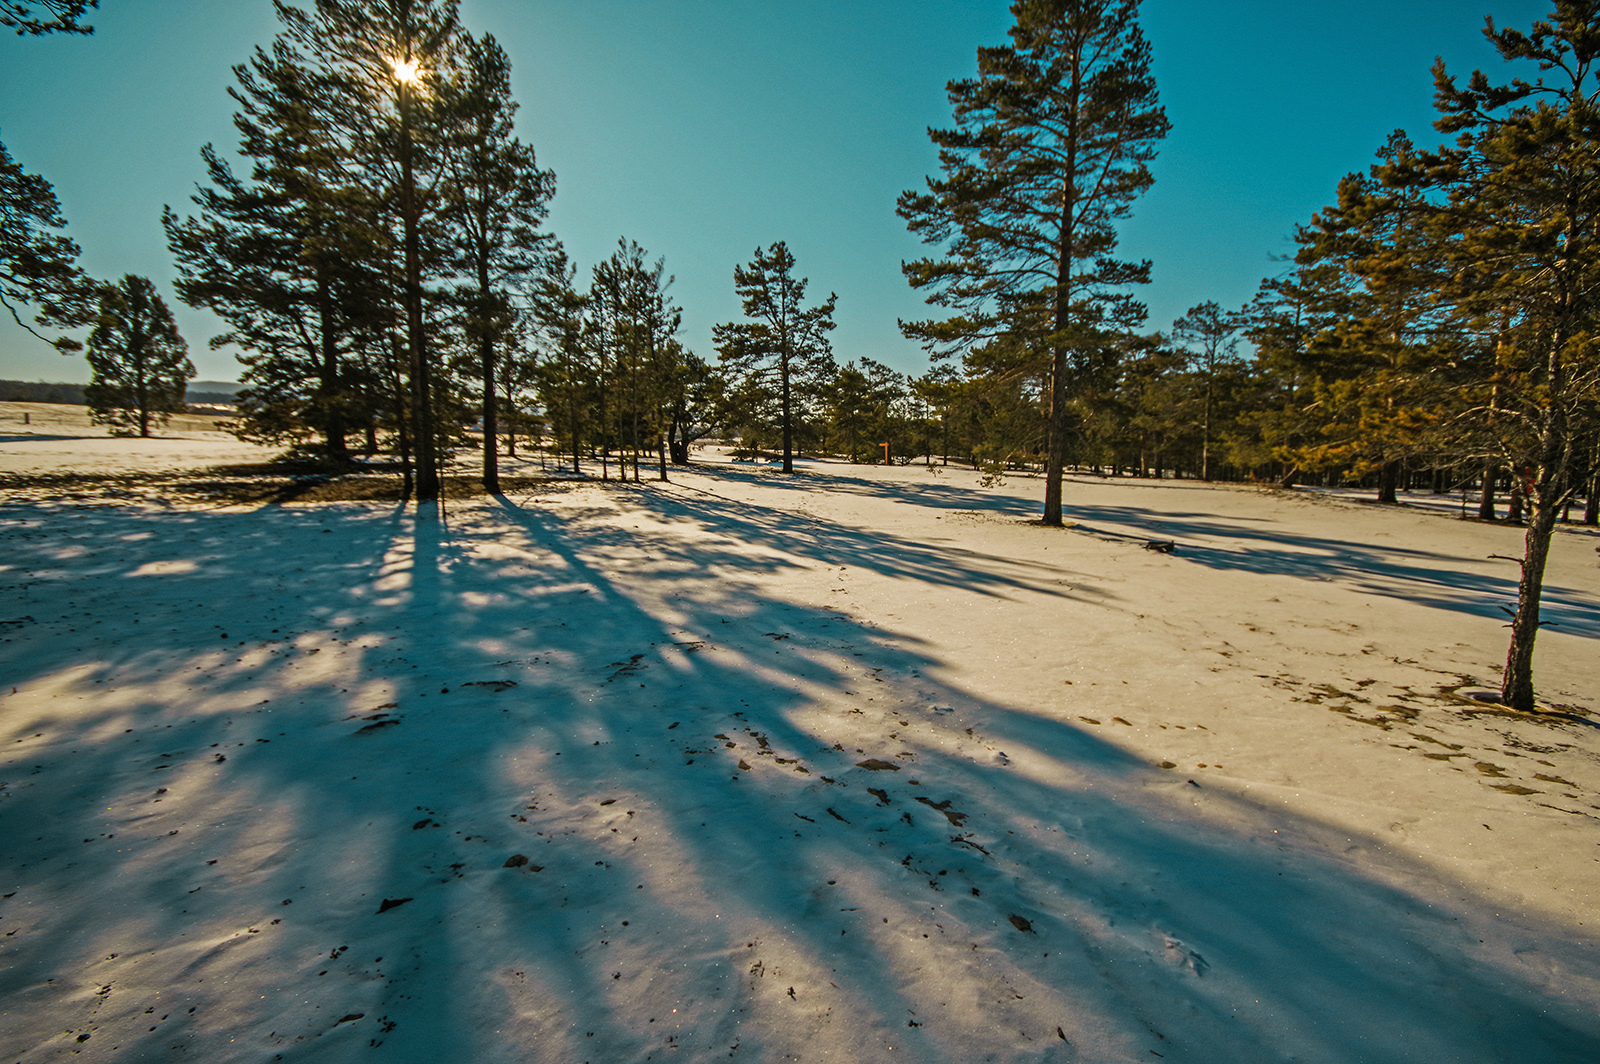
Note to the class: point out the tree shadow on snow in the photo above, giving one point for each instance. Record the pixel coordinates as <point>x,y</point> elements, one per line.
<point>513,783</point>
<point>1426,577</point>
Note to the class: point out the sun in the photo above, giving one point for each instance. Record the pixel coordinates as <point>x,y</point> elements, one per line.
<point>406,71</point>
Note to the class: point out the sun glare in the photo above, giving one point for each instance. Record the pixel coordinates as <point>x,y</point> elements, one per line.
<point>407,71</point>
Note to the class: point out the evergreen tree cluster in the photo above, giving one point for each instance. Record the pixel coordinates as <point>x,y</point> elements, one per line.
<point>1438,324</point>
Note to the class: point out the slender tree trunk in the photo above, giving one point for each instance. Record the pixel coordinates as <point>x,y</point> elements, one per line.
<point>486,356</point>
<point>330,412</point>
<point>425,440</point>
<point>1591,503</point>
<point>402,436</point>
<point>1056,446</point>
<point>1518,500</point>
<point>1486,495</point>
<point>491,458</point>
<point>572,423</point>
<point>788,412</point>
<point>512,419</point>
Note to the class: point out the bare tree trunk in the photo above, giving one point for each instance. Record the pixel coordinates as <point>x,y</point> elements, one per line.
<point>1486,497</point>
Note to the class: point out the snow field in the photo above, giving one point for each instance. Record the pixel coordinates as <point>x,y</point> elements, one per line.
<point>859,766</point>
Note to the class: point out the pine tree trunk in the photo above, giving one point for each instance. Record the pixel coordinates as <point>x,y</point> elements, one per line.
<point>329,412</point>
<point>1388,478</point>
<point>1517,684</point>
<point>402,436</point>
<point>424,440</point>
<point>491,460</point>
<point>788,425</point>
<point>1591,504</point>
<point>1486,497</point>
<point>1518,500</point>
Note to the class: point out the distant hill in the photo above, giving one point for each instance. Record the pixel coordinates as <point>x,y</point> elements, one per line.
<point>207,393</point>
<point>40,392</point>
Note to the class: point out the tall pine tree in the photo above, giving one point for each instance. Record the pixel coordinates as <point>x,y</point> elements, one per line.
<point>1519,240</point>
<point>1051,145</point>
<point>495,204</point>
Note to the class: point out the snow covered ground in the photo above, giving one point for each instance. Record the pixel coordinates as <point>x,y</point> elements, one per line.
<point>46,438</point>
<point>859,765</point>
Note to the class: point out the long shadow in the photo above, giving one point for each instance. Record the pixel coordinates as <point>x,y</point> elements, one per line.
<point>1426,577</point>
<point>747,825</point>
<point>1248,544</point>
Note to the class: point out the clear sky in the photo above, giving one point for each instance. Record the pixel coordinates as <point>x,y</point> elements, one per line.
<point>703,128</point>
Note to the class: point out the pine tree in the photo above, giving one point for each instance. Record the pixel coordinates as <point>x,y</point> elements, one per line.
<point>1387,368</point>
<point>1518,242</point>
<point>139,364</point>
<point>496,201</point>
<point>632,323</point>
<point>332,262</point>
<point>783,348</point>
<point>1208,333</point>
<point>562,375</point>
<point>1052,144</point>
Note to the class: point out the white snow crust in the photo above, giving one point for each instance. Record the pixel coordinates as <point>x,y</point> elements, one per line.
<point>861,765</point>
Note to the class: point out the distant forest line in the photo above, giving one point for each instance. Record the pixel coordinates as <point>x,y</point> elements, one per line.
<point>46,392</point>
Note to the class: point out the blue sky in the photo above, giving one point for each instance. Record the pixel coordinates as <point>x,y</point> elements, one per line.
<point>704,128</point>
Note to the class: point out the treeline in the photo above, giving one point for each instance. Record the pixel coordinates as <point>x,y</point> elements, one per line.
<point>40,392</point>
<point>385,268</point>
